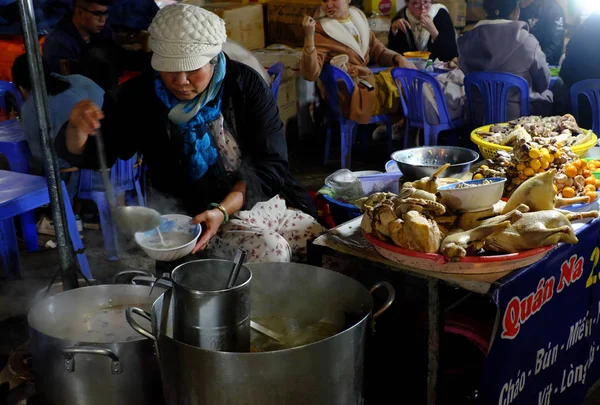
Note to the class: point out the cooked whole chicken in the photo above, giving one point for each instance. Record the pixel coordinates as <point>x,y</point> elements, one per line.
<point>537,229</point>
<point>416,232</point>
<point>456,244</point>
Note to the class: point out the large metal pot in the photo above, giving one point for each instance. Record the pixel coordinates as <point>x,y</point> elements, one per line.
<point>327,372</point>
<point>84,352</point>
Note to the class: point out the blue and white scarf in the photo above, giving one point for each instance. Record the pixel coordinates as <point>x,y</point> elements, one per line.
<point>193,117</point>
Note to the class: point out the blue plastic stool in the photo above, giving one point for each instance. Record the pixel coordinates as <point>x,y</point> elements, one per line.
<point>493,88</point>
<point>330,75</point>
<point>15,148</point>
<point>23,193</point>
<point>125,179</point>
<point>8,87</point>
<point>277,71</point>
<point>410,84</point>
<point>590,89</point>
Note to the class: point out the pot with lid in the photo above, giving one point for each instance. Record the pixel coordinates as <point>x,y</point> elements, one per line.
<point>84,352</point>
<point>325,368</point>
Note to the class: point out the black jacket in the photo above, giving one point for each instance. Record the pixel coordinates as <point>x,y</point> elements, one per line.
<point>444,48</point>
<point>136,120</point>
<point>546,20</point>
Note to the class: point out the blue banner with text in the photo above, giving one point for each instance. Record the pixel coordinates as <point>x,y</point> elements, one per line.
<point>546,347</point>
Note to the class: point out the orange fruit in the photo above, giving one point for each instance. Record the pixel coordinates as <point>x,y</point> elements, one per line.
<point>597,183</point>
<point>592,195</point>
<point>568,192</point>
<point>576,163</point>
<point>590,180</point>
<point>571,171</point>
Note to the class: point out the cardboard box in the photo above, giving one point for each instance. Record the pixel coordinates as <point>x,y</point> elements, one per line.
<point>381,7</point>
<point>458,11</point>
<point>475,10</point>
<point>380,25</point>
<point>284,18</point>
<point>290,57</point>
<point>244,22</point>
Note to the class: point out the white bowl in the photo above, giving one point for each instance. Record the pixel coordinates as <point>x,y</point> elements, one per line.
<point>178,232</point>
<point>471,199</point>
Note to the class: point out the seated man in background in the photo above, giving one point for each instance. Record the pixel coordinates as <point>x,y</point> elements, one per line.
<point>83,43</point>
<point>582,62</point>
<point>546,20</point>
<point>63,93</point>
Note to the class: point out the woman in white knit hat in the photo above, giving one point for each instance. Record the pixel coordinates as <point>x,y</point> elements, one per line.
<point>210,133</point>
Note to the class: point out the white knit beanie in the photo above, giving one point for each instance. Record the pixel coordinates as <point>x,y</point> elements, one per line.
<point>184,37</point>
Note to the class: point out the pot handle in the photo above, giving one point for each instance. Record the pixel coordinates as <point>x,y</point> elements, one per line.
<point>129,272</point>
<point>136,326</point>
<point>152,282</point>
<point>71,351</point>
<point>390,299</point>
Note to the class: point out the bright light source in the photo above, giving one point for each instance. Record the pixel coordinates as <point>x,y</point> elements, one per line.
<point>588,6</point>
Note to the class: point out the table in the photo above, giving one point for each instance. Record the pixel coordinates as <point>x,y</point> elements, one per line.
<point>21,193</point>
<point>13,145</point>
<point>517,344</point>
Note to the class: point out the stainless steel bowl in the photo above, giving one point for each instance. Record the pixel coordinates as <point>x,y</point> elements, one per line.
<point>416,163</point>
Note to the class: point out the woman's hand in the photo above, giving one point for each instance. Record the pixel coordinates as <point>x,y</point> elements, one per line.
<point>427,23</point>
<point>401,61</point>
<point>212,220</point>
<point>308,25</point>
<point>83,122</point>
<point>400,24</point>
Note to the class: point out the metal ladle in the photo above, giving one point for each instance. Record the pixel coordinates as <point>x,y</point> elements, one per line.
<point>130,219</point>
<point>238,261</point>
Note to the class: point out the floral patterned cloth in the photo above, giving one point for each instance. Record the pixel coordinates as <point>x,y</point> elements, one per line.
<point>269,232</point>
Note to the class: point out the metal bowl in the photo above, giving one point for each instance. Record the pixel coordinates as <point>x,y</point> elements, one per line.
<point>416,163</point>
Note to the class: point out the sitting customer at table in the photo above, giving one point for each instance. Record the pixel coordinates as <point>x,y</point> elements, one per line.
<point>423,26</point>
<point>501,43</point>
<point>582,62</point>
<point>210,133</point>
<point>63,93</point>
<point>341,32</point>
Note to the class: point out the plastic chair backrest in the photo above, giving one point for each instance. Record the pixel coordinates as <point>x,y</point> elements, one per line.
<point>330,76</point>
<point>493,88</point>
<point>410,82</point>
<point>122,177</point>
<point>590,89</point>
<point>10,88</point>
<point>277,71</point>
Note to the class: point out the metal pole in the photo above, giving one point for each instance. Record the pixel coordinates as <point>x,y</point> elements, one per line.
<point>433,340</point>
<point>65,249</point>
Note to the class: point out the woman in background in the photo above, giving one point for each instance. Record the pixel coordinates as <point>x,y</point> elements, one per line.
<point>423,26</point>
<point>340,35</point>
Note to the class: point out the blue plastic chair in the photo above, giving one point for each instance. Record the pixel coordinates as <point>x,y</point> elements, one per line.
<point>410,84</point>
<point>125,179</point>
<point>493,88</point>
<point>276,71</point>
<point>591,90</point>
<point>23,193</point>
<point>330,75</point>
<point>9,87</point>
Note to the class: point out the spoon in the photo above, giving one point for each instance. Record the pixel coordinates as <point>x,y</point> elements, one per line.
<point>129,219</point>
